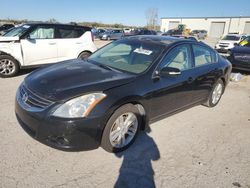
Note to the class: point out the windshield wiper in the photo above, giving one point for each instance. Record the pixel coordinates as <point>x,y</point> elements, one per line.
<point>107,67</point>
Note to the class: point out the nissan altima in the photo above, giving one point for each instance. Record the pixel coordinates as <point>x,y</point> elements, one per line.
<point>109,98</point>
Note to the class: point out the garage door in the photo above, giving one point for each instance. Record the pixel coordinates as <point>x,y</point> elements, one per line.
<point>247,28</point>
<point>173,24</point>
<point>217,29</point>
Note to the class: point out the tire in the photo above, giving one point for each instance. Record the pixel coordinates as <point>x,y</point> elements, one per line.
<point>211,102</point>
<point>84,55</point>
<point>9,67</point>
<point>112,127</point>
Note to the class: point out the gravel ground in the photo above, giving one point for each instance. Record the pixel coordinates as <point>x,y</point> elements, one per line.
<point>199,147</point>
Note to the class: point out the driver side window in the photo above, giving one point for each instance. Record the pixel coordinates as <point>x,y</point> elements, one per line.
<point>179,57</point>
<point>42,33</point>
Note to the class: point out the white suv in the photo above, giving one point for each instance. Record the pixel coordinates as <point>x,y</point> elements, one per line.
<point>228,42</point>
<point>38,44</point>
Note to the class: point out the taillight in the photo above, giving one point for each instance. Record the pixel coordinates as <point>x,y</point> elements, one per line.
<point>92,36</point>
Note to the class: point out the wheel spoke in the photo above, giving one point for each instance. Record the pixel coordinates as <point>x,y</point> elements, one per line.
<point>114,135</point>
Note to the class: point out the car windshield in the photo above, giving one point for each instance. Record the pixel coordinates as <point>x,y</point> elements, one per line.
<point>245,42</point>
<point>231,37</point>
<point>18,31</point>
<point>133,56</point>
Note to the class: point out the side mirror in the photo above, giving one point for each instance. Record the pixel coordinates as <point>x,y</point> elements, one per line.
<point>170,71</point>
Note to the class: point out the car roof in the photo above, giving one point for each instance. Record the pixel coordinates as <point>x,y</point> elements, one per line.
<point>164,40</point>
<point>55,24</point>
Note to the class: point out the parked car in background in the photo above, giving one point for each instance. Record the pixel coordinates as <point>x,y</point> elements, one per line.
<point>39,44</point>
<point>113,34</point>
<point>159,33</point>
<point>200,34</point>
<point>142,31</point>
<point>185,37</point>
<point>5,27</point>
<point>98,32</point>
<point>107,99</point>
<point>239,56</point>
<point>127,30</point>
<point>228,42</point>
<point>172,32</point>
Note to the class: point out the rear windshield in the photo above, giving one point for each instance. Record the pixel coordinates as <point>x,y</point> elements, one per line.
<point>127,55</point>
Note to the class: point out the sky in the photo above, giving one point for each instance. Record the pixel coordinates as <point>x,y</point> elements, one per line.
<point>128,12</point>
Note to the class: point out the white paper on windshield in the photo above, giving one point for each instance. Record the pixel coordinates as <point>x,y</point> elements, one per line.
<point>26,26</point>
<point>143,51</point>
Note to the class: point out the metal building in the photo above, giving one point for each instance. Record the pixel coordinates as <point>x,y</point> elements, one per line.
<point>215,26</point>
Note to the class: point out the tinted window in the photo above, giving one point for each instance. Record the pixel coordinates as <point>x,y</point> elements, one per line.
<point>179,57</point>
<point>43,32</point>
<point>70,32</point>
<point>203,55</point>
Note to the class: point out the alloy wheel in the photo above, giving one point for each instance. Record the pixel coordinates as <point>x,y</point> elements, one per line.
<point>7,67</point>
<point>123,130</point>
<point>217,92</point>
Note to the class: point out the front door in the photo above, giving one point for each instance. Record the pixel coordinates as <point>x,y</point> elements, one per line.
<point>40,46</point>
<point>174,92</point>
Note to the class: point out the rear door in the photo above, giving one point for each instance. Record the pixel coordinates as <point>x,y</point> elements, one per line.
<point>40,46</point>
<point>207,72</point>
<point>70,42</point>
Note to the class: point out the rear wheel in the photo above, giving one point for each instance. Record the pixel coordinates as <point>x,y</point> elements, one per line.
<point>215,94</point>
<point>8,66</point>
<point>84,55</point>
<point>121,129</point>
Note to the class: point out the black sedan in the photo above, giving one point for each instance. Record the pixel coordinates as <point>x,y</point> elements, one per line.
<point>107,99</point>
<point>239,56</point>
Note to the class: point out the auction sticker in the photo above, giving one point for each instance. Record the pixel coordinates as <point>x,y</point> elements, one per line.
<point>143,51</point>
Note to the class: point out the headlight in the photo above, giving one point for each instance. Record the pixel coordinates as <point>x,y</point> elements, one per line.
<point>80,106</point>
<point>104,35</point>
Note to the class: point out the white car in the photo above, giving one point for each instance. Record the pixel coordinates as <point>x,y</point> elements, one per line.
<point>40,44</point>
<point>228,42</point>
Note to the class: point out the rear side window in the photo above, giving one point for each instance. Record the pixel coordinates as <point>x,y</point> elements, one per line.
<point>65,32</point>
<point>203,55</point>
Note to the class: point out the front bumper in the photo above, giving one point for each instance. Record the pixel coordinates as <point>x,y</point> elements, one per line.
<point>64,134</point>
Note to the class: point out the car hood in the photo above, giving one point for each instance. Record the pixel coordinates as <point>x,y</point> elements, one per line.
<point>7,39</point>
<point>73,78</point>
<point>241,49</point>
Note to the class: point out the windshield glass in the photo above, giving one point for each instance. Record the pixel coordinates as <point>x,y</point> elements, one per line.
<point>231,37</point>
<point>18,31</point>
<point>131,56</point>
<point>245,42</point>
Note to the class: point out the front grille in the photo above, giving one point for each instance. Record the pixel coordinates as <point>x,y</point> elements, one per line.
<point>32,100</point>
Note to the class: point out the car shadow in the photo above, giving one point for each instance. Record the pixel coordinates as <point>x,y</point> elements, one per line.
<point>136,169</point>
<point>24,72</point>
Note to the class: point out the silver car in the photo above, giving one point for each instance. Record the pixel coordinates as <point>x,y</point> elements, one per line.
<point>112,34</point>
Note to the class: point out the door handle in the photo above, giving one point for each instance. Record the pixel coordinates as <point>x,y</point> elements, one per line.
<point>52,43</point>
<point>190,80</point>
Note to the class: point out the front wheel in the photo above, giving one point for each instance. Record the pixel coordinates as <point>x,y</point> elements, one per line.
<point>84,55</point>
<point>8,66</point>
<point>121,129</point>
<point>215,94</point>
